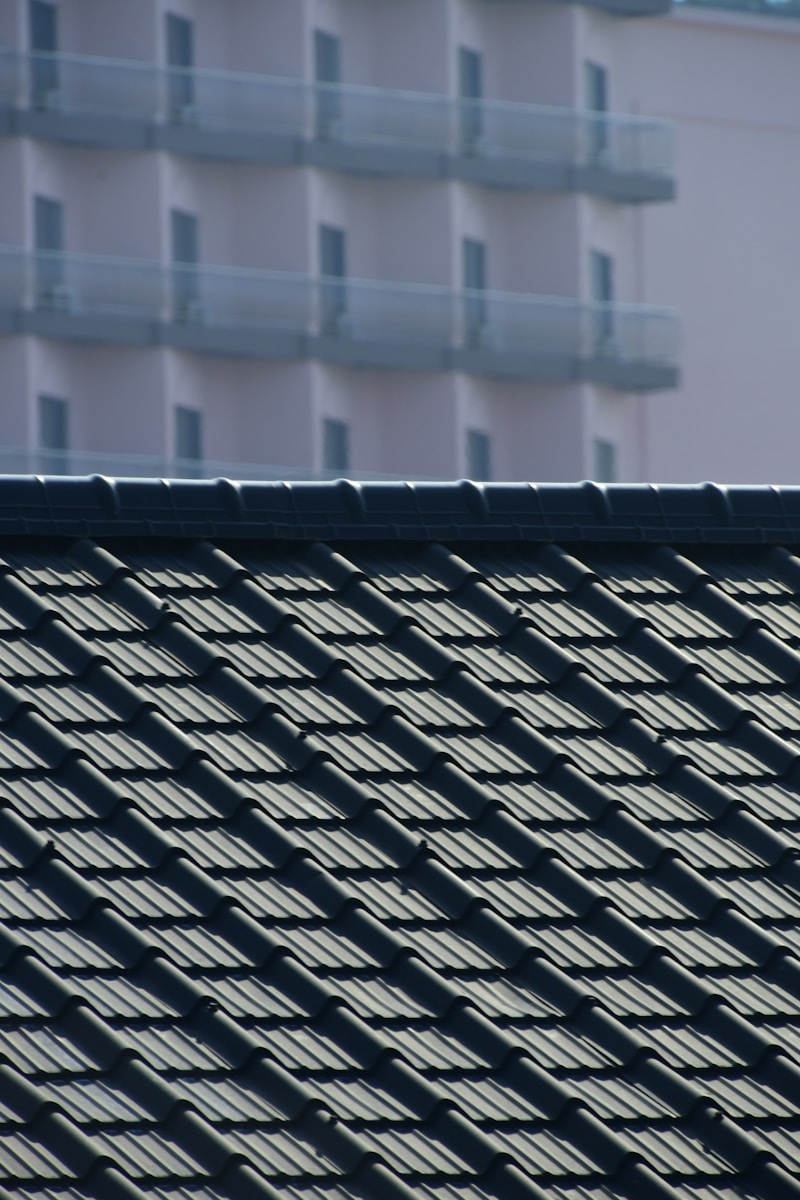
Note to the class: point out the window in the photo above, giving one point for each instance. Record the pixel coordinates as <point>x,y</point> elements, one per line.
<point>185,237</point>
<point>180,60</point>
<point>596,84</point>
<point>48,236</point>
<point>473,271</point>
<point>470,91</point>
<point>188,440</point>
<point>53,435</point>
<point>333,272</point>
<point>335,444</point>
<point>601,272</point>
<point>479,455</point>
<point>605,461</point>
<point>43,30</point>
<point>328,76</point>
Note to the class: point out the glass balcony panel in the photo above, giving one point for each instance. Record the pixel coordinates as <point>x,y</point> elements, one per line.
<point>250,103</point>
<point>532,325</point>
<point>523,131</point>
<point>88,86</point>
<point>402,314</point>
<point>12,79</point>
<point>625,145</point>
<point>396,314</point>
<point>23,460</point>
<point>374,116</point>
<point>770,8</point>
<point>245,299</point>
<point>356,116</point>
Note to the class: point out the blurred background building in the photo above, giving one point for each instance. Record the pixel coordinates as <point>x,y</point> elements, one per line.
<point>495,238</point>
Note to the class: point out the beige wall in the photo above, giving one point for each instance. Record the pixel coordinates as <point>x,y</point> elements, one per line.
<point>726,254</point>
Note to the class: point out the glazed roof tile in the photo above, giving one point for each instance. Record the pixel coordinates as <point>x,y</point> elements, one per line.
<point>391,841</point>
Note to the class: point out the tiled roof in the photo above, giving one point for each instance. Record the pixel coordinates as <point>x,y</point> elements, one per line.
<point>369,842</point>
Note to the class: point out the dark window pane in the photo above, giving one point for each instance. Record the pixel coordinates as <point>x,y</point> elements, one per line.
<point>48,220</point>
<point>470,91</point>
<point>333,272</point>
<point>53,435</point>
<point>43,28</point>
<point>596,78</point>
<point>605,461</point>
<point>328,76</point>
<point>185,233</point>
<point>473,267</point>
<point>602,284</point>
<point>180,60</point>
<point>479,455</point>
<point>188,436</point>
<point>335,445</point>
<point>48,234</point>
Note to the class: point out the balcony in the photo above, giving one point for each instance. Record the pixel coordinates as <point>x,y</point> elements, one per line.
<point>619,8</point>
<point>361,130</point>
<point>272,314</point>
<point>25,460</point>
<point>759,8</point>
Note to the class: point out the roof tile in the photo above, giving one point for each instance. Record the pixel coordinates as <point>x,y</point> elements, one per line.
<point>313,909</point>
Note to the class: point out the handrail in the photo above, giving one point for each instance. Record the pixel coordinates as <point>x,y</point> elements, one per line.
<point>26,460</point>
<point>354,310</point>
<point>347,114</point>
<point>766,8</point>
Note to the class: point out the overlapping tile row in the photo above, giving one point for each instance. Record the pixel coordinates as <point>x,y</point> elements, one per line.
<point>389,872</point>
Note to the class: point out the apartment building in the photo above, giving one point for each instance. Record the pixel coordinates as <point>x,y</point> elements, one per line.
<point>315,237</point>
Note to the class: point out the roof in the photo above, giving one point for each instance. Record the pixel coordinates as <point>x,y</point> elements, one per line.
<point>374,842</point>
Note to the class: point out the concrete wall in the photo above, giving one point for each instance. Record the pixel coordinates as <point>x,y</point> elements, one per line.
<point>726,254</point>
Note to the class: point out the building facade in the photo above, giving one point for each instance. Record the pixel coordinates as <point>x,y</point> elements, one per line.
<point>316,237</point>
<point>726,254</point>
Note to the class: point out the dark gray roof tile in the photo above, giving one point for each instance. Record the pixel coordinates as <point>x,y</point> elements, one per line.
<point>139,659</point>
<point>35,1048</point>
<point>145,1154</point>
<point>88,1100</point>
<point>545,1153</point>
<point>559,1049</point>
<point>23,1159</point>
<point>672,1152</point>
<point>409,1152</point>
<point>741,1097</point>
<point>256,658</point>
<point>281,1155</point>
<point>688,1049</point>
<point>614,665</point>
<point>514,943</point>
<point>170,1049</point>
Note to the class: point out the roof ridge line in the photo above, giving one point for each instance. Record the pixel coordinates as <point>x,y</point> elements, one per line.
<point>109,569</point>
<point>337,567</point>
<point>122,932</point>
<point>98,506</point>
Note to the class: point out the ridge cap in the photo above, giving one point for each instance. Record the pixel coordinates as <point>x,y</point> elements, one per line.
<point>640,513</point>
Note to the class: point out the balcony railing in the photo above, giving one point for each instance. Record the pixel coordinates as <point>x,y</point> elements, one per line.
<point>360,128</point>
<point>764,8</point>
<point>272,313</point>
<point>26,460</point>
